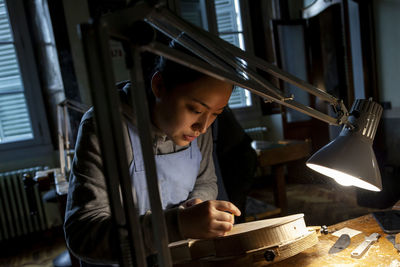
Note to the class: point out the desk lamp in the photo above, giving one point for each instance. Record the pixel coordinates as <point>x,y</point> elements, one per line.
<point>350,159</point>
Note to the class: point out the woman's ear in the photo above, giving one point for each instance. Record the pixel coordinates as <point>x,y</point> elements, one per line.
<point>157,84</point>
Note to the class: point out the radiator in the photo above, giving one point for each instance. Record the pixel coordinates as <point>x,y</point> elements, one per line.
<point>19,214</point>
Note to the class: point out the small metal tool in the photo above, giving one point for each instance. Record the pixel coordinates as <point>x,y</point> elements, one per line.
<point>392,239</point>
<point>363,247</point>
<point>340,244</point>
<point>324,230</point>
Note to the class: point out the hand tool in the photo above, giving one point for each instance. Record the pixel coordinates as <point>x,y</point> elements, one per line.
<point>363,247</point>
<point>324,230</point>
<point>340,244</point>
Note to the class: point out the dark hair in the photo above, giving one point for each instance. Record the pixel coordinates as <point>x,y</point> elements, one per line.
<point>173,73</point>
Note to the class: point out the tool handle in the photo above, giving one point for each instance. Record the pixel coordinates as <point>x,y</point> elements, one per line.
<point>360,250</point>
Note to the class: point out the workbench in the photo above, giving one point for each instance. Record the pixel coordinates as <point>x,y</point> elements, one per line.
<point>382,253</point>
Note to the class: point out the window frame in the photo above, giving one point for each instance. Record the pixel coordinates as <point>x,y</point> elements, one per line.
<point>40,144</point>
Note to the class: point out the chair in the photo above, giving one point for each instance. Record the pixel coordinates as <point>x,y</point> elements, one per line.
<point>65,259</point>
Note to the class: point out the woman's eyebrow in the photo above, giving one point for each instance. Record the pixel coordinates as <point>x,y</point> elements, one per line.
<point>204,104</point>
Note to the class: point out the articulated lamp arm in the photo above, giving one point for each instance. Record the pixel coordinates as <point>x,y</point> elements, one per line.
<point>235,65</point>
<point>240,63</point>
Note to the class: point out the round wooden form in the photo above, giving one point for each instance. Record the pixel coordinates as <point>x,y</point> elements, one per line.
<point>258,258</point>
<point>244,239</point>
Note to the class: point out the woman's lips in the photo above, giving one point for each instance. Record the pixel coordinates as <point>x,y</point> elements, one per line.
<point>189,138</point>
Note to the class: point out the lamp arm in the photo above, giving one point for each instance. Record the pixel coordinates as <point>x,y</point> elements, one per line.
<point>219,63</point>
<point>234,64</point>
<point>232,77</point>
<point>221,47</point>
<point>187,35</point>
<point>208,46</point>
<point>204,67</point>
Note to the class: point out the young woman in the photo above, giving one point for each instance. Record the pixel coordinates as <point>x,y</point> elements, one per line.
<point>183,106</point>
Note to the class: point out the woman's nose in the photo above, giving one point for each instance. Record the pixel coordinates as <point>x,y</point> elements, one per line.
<point>201,124</point>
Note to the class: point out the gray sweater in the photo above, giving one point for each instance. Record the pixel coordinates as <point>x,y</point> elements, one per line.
<point>89,231</point>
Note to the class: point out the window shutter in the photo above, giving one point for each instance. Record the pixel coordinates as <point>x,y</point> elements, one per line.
<point>231,38</point>
<point>226,16</point>
<point>15,123</point>
<point>229,30</point>
<point>191,11</point>
<point>238,98</point>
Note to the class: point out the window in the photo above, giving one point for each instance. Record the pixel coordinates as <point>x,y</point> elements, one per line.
<point>23,125</point>
<point>15,123</point>
<point>228,24</point>
<point>230,28</point>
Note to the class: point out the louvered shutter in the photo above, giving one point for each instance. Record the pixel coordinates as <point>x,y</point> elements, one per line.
<point>226,16</point>
<point>191,11</point>
<point>15,123</point>
<point>230,31</point>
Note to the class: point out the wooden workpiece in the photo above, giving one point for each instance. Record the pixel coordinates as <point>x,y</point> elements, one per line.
<point>280,238</point>
<point>381,253</point>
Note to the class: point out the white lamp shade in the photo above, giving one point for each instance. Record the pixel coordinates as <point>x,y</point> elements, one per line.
<point>353,163</point>
<point>350,159</point>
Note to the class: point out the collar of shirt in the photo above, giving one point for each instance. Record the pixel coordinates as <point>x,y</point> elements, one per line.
<point>162,144</point>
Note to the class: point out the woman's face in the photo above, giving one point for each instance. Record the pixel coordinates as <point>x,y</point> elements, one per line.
<point>186,111</point>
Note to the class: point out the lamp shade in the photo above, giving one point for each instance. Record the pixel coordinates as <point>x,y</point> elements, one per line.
<point>350,159</point>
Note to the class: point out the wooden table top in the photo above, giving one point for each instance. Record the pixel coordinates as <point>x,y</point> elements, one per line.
<point>272,153</point>
<point>382,253</point>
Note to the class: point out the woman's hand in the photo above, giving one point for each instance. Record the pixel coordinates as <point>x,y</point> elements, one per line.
<point>207,219</point>
<point>191,202</point>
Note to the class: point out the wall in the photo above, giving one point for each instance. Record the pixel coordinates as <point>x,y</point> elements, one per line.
<point>387,21</point>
